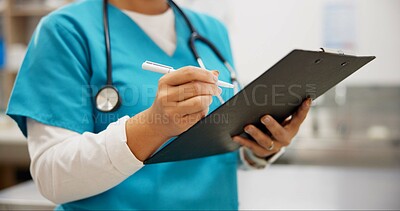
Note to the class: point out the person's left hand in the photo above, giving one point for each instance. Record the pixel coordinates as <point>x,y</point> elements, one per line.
<point>282,135</point>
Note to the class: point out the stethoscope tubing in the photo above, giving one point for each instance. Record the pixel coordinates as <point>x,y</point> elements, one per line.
<point>195,36</point>
<point>107,42</point>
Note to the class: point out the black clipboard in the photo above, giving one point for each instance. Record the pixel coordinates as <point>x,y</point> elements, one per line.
<point>278,92</point>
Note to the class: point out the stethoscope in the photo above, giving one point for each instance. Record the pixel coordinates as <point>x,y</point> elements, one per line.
<point>108,98</point>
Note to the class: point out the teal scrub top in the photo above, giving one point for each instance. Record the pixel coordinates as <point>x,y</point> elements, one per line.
<point>64,68</point>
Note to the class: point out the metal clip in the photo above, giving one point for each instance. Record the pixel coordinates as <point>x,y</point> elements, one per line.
<point>333,51</point>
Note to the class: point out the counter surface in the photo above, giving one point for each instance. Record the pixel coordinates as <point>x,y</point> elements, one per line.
<point>280,187</point>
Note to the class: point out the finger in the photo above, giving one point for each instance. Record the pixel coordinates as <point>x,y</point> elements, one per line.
<point>254,147</point>
<point>215,72</point>
<point>188,74</point>
<point>260,137</point>
<point>194,105</point>
<point>278,132</point>
<point>300,114</point>
<point>192,119</point>
<point>192,89</point>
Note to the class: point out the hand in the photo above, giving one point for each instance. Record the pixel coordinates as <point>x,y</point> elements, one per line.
<point>282,135</point>
<point>183,98</point>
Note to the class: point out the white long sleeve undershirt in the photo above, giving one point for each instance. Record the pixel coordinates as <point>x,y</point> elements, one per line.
<point>68,166</point>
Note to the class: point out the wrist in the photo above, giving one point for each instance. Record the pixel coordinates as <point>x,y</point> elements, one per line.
<point>253,160</point>
<point>257,162</point>
<point>144,134</point>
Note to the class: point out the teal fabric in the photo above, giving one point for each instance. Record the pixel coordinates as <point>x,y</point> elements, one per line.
<point>64,68</point>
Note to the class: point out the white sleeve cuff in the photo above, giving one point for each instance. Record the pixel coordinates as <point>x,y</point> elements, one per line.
<point>258,163</point>
<point>245,163</point>
<point>118,151</point>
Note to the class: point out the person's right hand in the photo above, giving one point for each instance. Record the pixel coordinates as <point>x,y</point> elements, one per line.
<point>183,98</point>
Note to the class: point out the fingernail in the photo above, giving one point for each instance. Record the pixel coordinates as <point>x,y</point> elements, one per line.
<point>215,78</point>
<point>248,129</point>
<point>220,90</point>
<point>308,102</point>
<point>217,72</point>
<point>265,120</point>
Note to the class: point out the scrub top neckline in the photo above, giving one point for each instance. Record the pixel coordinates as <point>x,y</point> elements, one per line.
<point>178,28</point>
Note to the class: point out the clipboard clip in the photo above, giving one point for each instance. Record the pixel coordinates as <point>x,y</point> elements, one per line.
<point>333,51</point>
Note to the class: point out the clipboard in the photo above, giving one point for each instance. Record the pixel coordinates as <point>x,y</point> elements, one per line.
<point>278,91</point>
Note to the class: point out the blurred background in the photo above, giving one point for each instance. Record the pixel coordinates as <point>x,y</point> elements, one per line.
<point>347,154</point>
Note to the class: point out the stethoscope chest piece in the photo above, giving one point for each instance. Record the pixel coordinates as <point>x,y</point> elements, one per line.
<point>107,99</point>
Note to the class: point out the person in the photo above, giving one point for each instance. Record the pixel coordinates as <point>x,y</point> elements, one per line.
<point>83,158</point>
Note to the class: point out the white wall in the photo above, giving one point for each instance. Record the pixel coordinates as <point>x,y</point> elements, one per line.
<point>379,34</point>
<point>263,31</point>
